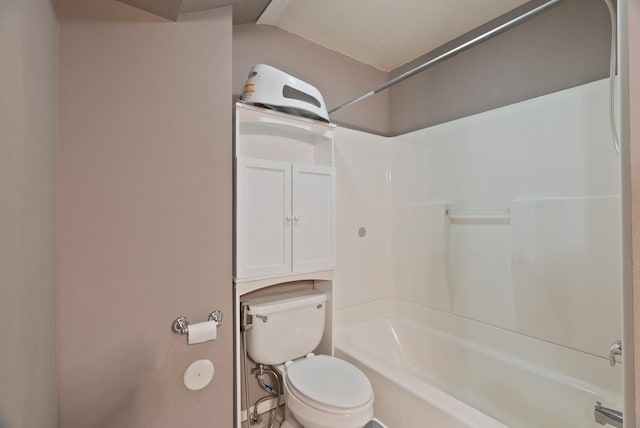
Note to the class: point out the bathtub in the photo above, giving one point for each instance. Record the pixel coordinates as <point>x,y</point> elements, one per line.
<point>429,377</point>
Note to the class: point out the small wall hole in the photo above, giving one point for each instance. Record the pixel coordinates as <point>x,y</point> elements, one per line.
<point>362,232</point>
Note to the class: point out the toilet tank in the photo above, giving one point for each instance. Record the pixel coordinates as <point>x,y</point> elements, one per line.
<point>285,326</point>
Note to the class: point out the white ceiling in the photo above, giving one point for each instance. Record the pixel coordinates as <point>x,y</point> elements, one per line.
<point>383,33</point>
<point>243,10</point>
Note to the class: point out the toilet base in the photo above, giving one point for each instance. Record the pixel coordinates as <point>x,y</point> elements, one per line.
<point>289,420</point>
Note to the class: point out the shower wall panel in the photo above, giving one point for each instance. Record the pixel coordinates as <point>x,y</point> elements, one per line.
<point>363,264</point>
<point>546,268</point>
<point>550,268</point>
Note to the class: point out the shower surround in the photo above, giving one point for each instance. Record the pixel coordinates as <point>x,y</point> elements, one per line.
<point>509,219</point>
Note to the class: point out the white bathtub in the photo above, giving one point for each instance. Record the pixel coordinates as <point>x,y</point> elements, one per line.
<point>428,377</point>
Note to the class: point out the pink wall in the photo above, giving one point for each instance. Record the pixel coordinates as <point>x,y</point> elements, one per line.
<point>563,47</point>
<point>633,38</point>
<point>28,101</point>
<point>145,214</point>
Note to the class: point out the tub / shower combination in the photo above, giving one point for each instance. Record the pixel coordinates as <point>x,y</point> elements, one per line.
<point>433,370</point>
<point>489,296</point>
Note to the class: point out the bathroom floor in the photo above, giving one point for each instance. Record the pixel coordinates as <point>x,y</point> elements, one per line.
<point>374,423</point>
<point>265,417</point>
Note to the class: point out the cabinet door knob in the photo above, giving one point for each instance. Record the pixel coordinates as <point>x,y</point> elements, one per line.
<point>289,218</point>
<point>296,218</point>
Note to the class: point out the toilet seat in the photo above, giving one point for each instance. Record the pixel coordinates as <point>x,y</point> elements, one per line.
<point>331,382</point>
<point>309,384</point>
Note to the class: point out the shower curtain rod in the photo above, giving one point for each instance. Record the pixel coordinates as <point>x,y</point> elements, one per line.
<point>466,45</point>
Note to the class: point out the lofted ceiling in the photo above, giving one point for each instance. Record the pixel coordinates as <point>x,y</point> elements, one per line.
<point>382,33</point>
<point>243,10</point>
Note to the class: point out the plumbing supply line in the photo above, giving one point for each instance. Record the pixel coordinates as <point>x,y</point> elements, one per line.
<point>278,393</point>
<point>259,372</point>
<point>273,417</point>
<point>464,46</point>
<point>247,403</point>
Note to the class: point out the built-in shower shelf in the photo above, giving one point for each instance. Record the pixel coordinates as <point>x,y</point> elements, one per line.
<point>479,216</point>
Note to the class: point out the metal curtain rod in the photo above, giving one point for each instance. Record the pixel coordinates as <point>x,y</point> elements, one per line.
<point>466,45</point>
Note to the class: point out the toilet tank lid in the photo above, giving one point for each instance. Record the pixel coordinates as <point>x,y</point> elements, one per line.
<point>283,302</point>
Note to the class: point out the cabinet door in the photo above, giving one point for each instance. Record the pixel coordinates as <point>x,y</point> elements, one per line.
<point>314,224</point>
<point>263,218</point>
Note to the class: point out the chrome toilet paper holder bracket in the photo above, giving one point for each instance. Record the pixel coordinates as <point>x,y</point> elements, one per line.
<point>181,324</point>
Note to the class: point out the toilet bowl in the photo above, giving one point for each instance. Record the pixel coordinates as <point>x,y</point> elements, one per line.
<point>326,392</point>
<point>320,391</point>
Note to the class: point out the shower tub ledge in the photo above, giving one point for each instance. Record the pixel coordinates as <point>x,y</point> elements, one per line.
<point>428,377</point>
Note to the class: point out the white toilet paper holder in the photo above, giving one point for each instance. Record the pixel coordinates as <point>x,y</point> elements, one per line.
<point>181,324</point>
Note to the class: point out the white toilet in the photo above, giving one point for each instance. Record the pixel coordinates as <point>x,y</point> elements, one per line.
<point>320,391</point>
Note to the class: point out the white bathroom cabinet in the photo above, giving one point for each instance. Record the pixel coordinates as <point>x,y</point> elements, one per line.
<point>285,220</point>
<point>285,195</point>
